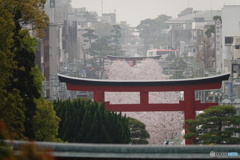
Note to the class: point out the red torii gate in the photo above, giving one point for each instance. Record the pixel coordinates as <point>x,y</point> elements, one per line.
<point>189,105</point>
<point>133,59</point>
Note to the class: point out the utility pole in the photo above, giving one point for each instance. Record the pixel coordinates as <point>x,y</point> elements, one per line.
<point>102,6</point>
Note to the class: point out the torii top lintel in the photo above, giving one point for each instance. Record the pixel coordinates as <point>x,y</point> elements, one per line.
<point>83,84</point>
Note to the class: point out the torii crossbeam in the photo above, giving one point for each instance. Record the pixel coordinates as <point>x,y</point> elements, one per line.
<point>189,105</point>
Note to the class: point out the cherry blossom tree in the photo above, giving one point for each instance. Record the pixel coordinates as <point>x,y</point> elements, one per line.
<point>160,125</point>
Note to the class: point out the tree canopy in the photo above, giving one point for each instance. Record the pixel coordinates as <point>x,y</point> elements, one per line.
<point>20,81</point>
<point>216,125</point>
<point>138,132</point>
<point>151,31</point>
<point>45,122</point>
<point>88,122</point>
<point>205,55</point>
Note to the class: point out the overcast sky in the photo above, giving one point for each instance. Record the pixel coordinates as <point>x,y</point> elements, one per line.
<point>133,11</point>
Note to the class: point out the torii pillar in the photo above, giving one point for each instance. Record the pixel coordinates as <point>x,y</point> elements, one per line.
<point>189,106</point>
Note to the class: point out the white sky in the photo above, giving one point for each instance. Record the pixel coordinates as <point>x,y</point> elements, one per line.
<point>133,11</point>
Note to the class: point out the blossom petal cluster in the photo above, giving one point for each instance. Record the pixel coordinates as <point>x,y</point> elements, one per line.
<point>161,126</point>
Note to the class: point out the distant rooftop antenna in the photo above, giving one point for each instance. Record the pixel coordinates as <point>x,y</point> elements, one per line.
<point>102,6</point>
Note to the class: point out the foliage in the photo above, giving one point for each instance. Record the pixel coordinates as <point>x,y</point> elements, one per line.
<point>89,37</point>
<point>179,65</point>
<point>138,132</point>
<point>216,125</point>
<point>20,80</point>
<point>12,112</point>
<point>87,122</point>
<point>32,152</point>
<point>116,39</point>
<point>5,150</point>
<point>215,18</point>
<point>151,31</point>
<point>99,43</point>
<point>29,152</point>
<point>206,54</point>
<point>160,125</point>
<point>89,17</point>
<point>10,104</point>
<point>30,14</point>
<point>6,42</point>
<point>210,30</point>
<point>26,77</point>
<point>100,48</point>
<point>45,122</point>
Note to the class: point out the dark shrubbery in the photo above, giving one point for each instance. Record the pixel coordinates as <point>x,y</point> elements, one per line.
<point>84,121</point>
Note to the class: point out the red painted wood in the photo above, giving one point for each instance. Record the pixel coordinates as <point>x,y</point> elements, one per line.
<point>189,108</point>
<point>143,107</point>
<point>98,96</point>
<point>120,88</point>
<point>155,107</point>
<point>201,106</point>
<point>144,98</point>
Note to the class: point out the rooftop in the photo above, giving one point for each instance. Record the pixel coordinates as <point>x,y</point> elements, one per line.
<point>207,15</point>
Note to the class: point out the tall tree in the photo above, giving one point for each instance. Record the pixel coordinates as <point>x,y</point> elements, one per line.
<point>151,31</point>
<point>29,16</point>
<point>179,65</point>
<point>24,77</point>
<point>206,55</point>
<point>211,28</point>
<point>101,48</point>
<point>17,53</point>
<point>89,37</point>
<point>216,125</point>
<point>11,102</point>
<point>116,39</point>
<point>6,42</point>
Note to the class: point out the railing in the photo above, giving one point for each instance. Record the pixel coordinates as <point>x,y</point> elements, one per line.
<point>111,151</point>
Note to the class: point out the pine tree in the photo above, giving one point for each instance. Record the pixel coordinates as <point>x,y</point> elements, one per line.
<point>216,125</point>
<point>138,132</point>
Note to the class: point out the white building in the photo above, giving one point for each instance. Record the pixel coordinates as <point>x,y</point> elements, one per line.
<point>230,29</point>
<point>230,49</point>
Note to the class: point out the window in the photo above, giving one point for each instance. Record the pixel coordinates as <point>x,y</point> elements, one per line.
<point>228,40</point>
<point>237,47</point>
<point>199,19</point>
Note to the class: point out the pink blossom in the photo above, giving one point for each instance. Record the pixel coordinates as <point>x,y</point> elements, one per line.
<point>160,125</point>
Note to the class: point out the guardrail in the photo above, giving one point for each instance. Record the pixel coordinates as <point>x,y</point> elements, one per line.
<point>77,151</point>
